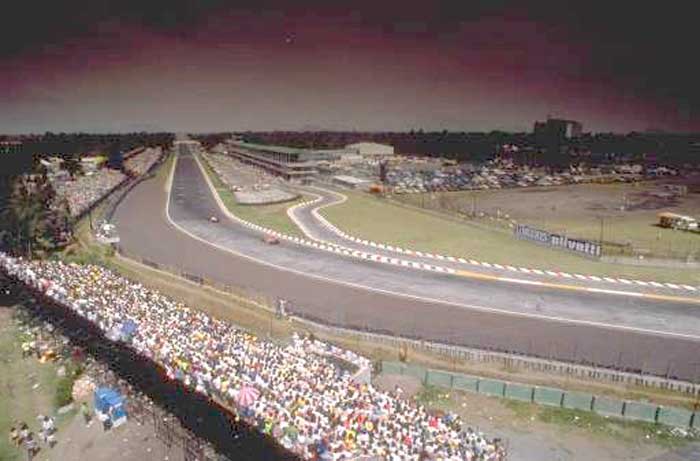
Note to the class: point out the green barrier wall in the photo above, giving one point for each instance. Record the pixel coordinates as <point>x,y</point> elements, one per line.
<point>465,383</point>
<point>491,387</point>
<point>439,378</point>
<point>674,416</point>
<point>608,407</point>
<point>415,371</point>
<point>548,396</point>
<point>640,411</point>
<point>519,392</point>
<point>578,401</point>
<point>392,368</point>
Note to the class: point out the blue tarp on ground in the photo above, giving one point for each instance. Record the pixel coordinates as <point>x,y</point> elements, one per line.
<point>108,401</point>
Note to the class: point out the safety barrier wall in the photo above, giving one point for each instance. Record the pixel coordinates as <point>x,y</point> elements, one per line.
<point>129,185</point>
<point>504,360</point>
<point>473,353</point>
<point>559,398</point>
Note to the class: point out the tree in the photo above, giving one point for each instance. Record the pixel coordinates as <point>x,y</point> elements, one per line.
<point>32,225</point>
<point>72,165</point>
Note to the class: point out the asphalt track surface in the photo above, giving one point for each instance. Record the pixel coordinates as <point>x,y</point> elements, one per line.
<point>613,331</point>
<point>306,218</point>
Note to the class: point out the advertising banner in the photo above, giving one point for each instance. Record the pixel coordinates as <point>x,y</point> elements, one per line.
<point>585,247</point>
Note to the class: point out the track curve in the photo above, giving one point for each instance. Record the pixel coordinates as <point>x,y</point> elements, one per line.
<point>656,338</point>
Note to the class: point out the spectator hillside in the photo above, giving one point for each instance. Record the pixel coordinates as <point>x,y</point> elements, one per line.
<point>84,191</point>
<point>299,395</point>
<point>140,163</point>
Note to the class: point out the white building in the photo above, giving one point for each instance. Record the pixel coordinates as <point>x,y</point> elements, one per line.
<point>371,149</point>
<point>52,164</point>
<point>350,181</point>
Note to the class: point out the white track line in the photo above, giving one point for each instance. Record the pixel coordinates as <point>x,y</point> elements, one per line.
<point>344,198</point>
<point>554,319</point>
<point>337,249</point>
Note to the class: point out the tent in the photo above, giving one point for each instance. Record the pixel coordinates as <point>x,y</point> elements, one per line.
<point>109,404</point>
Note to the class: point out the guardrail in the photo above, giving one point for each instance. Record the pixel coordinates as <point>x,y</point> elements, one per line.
<point>474,352</point>
<point>501,359</point>
<point>119,196</point>
<point>549,396</point>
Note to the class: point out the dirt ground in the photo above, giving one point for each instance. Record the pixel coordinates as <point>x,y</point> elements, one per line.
<point>531,440</point>
<point>129,442</point>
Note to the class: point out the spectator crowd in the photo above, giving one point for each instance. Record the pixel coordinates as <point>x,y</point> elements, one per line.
<point>85,190</point>
<point>141,162</point>
<point>300,396</point>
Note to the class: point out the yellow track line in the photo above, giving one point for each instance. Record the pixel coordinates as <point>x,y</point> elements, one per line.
<point>561,286</point>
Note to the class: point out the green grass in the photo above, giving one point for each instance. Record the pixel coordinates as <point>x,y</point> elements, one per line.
<point>271,216</point>
<point>377,219</point>
<point>18,399</point>
<point>432,396</point>
<point>593,423</point>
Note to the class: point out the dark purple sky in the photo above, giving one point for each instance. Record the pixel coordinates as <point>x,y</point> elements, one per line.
<point>211,65</point>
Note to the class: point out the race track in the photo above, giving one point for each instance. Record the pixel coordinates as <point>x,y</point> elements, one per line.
<point>643,334</point>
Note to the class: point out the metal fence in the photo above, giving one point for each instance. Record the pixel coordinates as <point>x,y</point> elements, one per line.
<point>341,323</point>
<point>552,397</point>
<point>346,327</point>
<point>171,433</point>
<point>244,293</point>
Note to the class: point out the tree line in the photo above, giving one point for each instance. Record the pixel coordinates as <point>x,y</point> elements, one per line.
<point>33,220</point>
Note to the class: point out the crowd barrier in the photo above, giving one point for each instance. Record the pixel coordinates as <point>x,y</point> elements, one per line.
<point>88,211</point>
<point>552,397</point>
<point>473,353</point>
<point>117,197</point>
<point>500,359</point>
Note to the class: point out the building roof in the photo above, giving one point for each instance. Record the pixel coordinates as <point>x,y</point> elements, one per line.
<point>270,148</point>
<point>351,179</point>
<point>669,215</point>
<point>368,144</point>
<point>94,159</point>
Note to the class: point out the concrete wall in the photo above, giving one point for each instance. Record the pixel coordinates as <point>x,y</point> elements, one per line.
<point>553,397</point>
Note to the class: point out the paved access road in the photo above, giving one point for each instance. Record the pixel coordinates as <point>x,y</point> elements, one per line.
<point>657,337</point>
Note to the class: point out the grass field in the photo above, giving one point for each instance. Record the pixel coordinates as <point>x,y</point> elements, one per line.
<point>270,216</point>
<point>377,219</point>
<point>622,214</point>
<point>19,400</point>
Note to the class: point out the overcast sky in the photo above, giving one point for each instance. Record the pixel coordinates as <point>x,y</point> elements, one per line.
<point>212,65</point>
